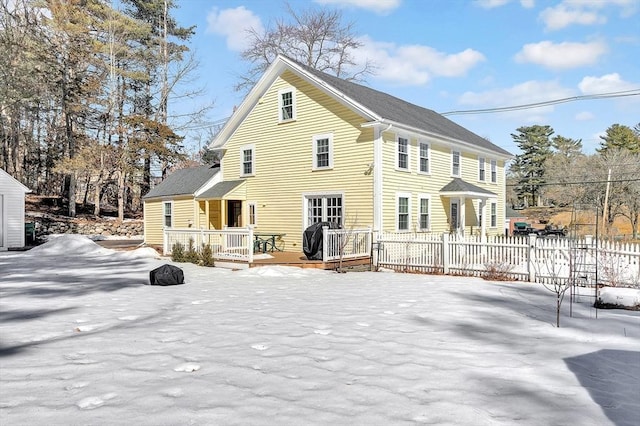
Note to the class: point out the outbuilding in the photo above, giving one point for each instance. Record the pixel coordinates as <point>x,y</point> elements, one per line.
<point>12,196</point>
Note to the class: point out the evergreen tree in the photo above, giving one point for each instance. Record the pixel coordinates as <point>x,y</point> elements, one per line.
<point>620,136</point>
<point>529,167</point>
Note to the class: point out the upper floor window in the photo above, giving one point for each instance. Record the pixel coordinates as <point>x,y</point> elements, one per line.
<point>287,104</point>
<point>455,163</point>
<point>481,169</point>
<point>403,208</point>
<point>323,151</point>
<point>423,161</point>
<point>167,213</point>
<point>247,157</point>
<point>494,171</point>
<point>403,153</point>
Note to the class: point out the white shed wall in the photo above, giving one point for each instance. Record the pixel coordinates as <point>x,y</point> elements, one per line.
<point>12,195</point>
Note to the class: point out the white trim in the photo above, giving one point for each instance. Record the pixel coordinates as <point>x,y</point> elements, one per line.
<point>453,152</point>
<point>491,206</point>
<point>493,164</point>
<point>164,215</point>
<point>253,204</point>
<point>252,148</point>
<point>314,140</point>
<point>377,179</point>
<point>408,153</point>
<point>406,195</point>
<point>320,194</point>
<point>482,169</point>
<point>418,222</point>
<point>294,113</point>
<point>419,157</point>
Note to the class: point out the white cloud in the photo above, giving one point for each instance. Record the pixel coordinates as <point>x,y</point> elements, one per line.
<point>584,116</point>
<point>559,56</point>
<point>233,24</point>
<point>490,4</point>
<point>561,16</point>
<point>414,65</point>
<point>377,6</point>
<point>525,93</point>
<point>606,84</point>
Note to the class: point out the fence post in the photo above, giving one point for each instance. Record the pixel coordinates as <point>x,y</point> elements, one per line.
<point>325,245</point>
<point>250,244</point>
<point>531,258</point>
<point>445,253</point>
<point>165,241</point>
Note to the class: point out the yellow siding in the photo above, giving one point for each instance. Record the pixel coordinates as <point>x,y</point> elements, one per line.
<point>415,184</point>
<point>284,159</point>
<point>153,222</point>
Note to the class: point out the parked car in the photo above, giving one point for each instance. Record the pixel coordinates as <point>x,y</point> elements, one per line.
<point>553,230</point>
<point>523,228</point>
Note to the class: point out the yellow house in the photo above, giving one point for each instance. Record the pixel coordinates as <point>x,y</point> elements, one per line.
<point>306,147</point>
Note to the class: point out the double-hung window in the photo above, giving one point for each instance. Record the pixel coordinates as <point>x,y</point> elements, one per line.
<point>287,104</point>
<point>324,208</point>
<point>481,169</point>
<point>494,171</point>
<point>455,163</point>
<point>494,215</point>
<point>403,212</point>
<point>323,151</point>
<point>247,158</point>
<point>423,157</point>
<point>403,153</point>
<point>252,214</point>
<point>424,208</point>
<point>167,212</point>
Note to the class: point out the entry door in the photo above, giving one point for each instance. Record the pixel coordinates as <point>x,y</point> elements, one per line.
<point>234,214</point>
<point>455,215</point>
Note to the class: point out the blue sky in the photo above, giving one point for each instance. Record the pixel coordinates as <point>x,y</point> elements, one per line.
<point>452,55</point>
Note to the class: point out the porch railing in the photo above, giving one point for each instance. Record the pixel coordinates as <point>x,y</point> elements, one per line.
<point>345,243</point>
<point>226,244</point>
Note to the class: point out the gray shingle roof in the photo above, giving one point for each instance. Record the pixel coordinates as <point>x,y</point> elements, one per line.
<point>184,181</point>
<point>399,111</point>
<point>220,189</point>
<point>459,185</point>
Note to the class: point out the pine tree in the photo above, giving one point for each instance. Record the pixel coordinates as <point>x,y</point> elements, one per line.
<point>529,167</point>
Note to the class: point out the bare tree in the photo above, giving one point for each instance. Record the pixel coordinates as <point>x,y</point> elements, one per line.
<point>549,268</point>
<point>316,37</point>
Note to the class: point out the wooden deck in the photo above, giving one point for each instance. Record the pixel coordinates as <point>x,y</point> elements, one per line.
<point>299,260</point>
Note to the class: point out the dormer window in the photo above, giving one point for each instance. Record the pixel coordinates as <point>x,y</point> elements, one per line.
<point>287,104</point>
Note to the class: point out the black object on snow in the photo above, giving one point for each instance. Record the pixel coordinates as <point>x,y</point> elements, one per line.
<point>312,239</point>
<point>166,275</point>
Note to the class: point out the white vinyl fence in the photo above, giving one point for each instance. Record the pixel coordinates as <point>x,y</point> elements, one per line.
<point>345,244</point>
<point>226,244</point>
<point>527,258</point>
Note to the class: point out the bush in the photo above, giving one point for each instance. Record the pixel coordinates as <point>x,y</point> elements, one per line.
<point>206,255</point>
<point>177,252</point>
<point>192,255</point>
<point>498,271</point>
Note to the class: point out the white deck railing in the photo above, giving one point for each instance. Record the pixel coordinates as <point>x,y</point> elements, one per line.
<point>226,244</point>
<point>345,244</point>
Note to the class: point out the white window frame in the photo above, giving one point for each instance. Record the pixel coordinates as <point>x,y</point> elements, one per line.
<point>453,164</point>
<point>420,157</point>
<point>482,169</point>
<point>315,139</point>
<point>324,208</point>
<point>400,195</point>
<point>252,213</point>
<point>420,213</point>
<point>407,153</point>
<point>164,213</point>
<point>243,149</point>
<point>494,171</point>
<point>281,117</point>
<point>493,214</point>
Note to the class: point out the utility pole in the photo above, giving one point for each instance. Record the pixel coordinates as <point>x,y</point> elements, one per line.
<point>606,202</point>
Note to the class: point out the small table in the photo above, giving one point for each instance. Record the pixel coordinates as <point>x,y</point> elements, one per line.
<point>266,241</point>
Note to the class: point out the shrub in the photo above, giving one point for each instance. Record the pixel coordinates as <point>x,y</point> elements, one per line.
<point>206,255</point>
<point>177,252</point>
<point>191,254</point>
<point>498,271</point>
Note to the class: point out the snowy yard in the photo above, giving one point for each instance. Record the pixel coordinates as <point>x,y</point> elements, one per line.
<point>84,340</point>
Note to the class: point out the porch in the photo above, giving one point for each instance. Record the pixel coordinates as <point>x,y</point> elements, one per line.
<point>287,258</point>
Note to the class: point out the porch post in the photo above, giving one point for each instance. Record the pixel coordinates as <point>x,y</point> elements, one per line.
<point>462,214</point>
<point>483,216</point>
<point>445,253</point>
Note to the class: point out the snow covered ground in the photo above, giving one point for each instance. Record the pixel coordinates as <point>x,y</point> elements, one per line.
<point>84,340</point>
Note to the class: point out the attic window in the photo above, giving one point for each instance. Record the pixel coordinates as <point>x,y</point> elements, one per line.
<point>287,104</point>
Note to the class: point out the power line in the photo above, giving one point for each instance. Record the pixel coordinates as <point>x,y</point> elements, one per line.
<point>573,183</point>
<point>623,93</point>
